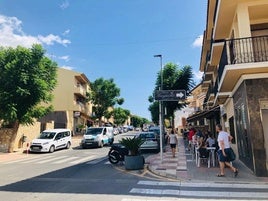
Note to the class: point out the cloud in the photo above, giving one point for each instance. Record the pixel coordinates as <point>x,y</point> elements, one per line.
<point>51,39</point>
<point>66,32</point>
<point>64,5</point>
<point>11,34</point>
<point>65,58</point>
<point>198,41</point>
<point>68,67</point>
<point>198,76</point>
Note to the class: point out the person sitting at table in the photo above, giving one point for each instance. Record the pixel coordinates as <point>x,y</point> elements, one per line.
<point>210,141</point>
<point>203,152</point>
<point>190,138</point>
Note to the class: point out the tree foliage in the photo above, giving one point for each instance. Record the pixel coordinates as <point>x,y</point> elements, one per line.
<point>154,109</point>
<point>138,121</point>
<point>120,115</point>
<point>27,79</point>
<point>173,79</point>
<point>104,94</point>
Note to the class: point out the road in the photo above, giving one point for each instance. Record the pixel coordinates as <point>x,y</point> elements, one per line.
<point>86,174</point>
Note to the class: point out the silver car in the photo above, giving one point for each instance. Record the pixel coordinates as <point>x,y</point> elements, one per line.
<point>151,142</point>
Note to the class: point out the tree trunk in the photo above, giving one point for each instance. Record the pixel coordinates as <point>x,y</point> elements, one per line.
<point>13,137</point>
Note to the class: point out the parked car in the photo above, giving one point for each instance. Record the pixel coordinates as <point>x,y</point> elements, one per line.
<point>150,143</point>
<point>51,140</point>
<point>97,137</point>
<point>155,129</point>
<point>125,129</point>
<point>130,128</point>
<point>115,131</point>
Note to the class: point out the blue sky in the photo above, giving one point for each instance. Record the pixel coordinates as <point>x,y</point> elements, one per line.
<point>110,38</point>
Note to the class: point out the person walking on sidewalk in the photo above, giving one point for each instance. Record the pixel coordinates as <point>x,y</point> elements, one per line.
<point>173,141</point>
<point>224,139</point>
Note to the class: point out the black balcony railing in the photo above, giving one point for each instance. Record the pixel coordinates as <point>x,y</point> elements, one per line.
<point>243,50</point>
<point>210,92</point>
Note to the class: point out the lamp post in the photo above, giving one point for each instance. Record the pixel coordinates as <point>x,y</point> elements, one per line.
<point>161,108</point>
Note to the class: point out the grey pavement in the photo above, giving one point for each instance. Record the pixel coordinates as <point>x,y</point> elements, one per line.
<point>183,167</point>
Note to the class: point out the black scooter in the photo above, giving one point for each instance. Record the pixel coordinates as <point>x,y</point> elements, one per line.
<point>117,153</point>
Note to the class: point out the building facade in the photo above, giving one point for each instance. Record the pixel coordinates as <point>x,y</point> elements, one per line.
<point>234,60</point>
<point>71,110</point>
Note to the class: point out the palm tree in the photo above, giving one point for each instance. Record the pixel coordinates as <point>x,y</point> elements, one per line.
<point>173,79</point>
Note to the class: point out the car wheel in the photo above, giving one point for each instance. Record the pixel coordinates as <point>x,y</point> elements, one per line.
<point>100,144</point>
<point>68,145</point>
<point>83,146</point>
<point>52,149</point>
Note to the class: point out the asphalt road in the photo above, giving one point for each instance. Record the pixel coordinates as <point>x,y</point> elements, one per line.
<point>73,174</point>
<point>86,174</point>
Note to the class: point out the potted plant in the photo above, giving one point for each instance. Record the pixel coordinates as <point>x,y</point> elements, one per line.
<point>133,161</point>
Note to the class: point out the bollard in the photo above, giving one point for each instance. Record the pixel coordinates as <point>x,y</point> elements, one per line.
<point>27,150</point>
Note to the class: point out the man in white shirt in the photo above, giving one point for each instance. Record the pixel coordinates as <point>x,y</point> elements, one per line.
<point>224,139</point>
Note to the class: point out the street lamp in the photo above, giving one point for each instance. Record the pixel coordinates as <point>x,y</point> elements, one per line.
<point>161,108</point>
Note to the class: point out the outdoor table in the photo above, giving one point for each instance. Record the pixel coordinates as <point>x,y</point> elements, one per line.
<point>212,155</point>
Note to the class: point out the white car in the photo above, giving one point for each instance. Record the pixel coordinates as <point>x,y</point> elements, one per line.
<point>51,140</point>
<point>97,137</point>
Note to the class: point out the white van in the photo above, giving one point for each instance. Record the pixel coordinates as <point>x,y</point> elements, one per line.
<point>51,140</point>
<point>97,137</point>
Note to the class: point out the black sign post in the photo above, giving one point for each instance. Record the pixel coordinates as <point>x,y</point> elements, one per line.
<point>170,95</point>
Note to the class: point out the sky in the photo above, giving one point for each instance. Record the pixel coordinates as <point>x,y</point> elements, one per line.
<point>111,38</point>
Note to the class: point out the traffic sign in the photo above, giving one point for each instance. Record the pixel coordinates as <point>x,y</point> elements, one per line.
<point>169,95</point>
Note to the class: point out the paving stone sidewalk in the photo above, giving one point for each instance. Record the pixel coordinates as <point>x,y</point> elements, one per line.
<point>183,167</point>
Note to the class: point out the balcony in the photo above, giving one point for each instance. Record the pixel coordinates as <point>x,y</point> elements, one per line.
<point>210,96</point>
<point>80,91</point>
<point>243,56</point>
<point>80,107</point>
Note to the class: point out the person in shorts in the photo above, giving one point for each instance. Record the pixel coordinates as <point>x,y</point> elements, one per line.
<point>224,139</point>
<point>173,141</point>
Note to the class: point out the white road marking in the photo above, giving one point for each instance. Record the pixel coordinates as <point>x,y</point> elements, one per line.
<point>194,193</point>
<point>51,159</point>
<point>84,159</point>
<point>65,160</point>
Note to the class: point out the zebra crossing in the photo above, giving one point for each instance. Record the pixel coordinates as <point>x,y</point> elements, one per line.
<point>54,159</point>
<point>201,190</point>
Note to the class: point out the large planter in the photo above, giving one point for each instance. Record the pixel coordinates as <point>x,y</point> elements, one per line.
<point>134,162</point>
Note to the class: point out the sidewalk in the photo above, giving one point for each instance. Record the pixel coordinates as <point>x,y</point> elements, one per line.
<point>183,167</point>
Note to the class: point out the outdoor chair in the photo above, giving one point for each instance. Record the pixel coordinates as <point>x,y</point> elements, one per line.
<point>203,155</point>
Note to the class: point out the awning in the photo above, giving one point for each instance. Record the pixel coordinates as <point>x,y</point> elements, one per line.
<point>205,114</point>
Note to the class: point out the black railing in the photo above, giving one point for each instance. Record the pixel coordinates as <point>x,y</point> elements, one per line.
<point>243,50</point>
<point>223,61</point>
<point>211,91</point>
<point>215,89</point>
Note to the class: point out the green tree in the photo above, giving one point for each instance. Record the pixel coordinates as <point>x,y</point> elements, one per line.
<point>173,79</point>
<point>120,115</point>
<point>138,121</point>
<point>154,109</point>
<point>104,94</point>
<point>27,79</point>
